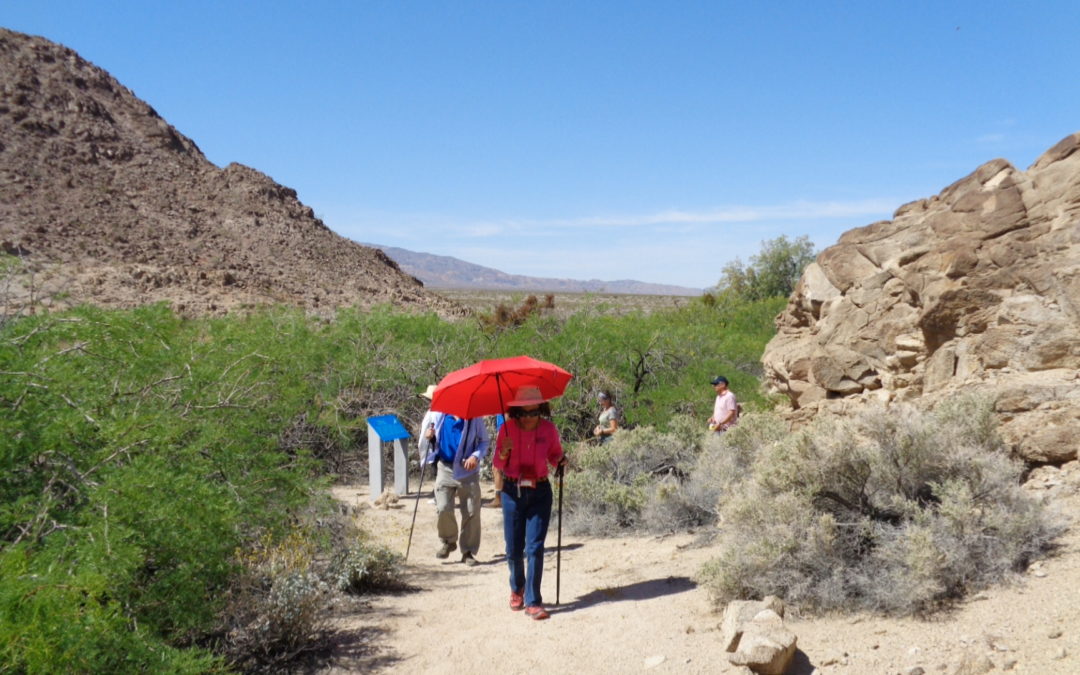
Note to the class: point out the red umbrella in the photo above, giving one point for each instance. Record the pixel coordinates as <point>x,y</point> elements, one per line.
<point>483,388</point>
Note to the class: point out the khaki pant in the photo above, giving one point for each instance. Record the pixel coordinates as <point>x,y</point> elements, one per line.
<point>467,492</point>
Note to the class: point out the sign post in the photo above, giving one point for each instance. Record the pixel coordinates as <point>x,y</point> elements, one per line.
<point>387,429</point>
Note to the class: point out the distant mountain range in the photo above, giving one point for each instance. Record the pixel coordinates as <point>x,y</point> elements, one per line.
<point>441,271</point>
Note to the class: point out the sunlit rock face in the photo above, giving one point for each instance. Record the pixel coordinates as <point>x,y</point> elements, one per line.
<point>976,289</point>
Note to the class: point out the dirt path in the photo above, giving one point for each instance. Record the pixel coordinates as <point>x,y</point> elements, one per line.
<point>629,604</point>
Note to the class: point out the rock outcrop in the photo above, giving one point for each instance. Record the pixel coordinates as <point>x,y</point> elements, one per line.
<point>104,202</point>
<point>974,290</point>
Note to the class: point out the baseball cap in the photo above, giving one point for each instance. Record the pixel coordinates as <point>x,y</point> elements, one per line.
<point>718,379</point>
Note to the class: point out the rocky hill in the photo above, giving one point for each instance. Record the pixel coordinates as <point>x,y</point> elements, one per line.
<point>441,271</point>
<point>974,290</point>
<point>102,201</point>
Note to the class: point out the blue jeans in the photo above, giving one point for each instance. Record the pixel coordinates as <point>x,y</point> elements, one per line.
<point>525,526</point>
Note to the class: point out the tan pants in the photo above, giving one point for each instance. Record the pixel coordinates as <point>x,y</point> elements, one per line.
<point>467,492</point>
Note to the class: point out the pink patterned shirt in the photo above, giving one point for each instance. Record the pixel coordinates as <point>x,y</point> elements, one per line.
<point>531,451</point>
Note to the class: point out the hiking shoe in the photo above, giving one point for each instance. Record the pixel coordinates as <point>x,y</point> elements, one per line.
<point>537,612</point>
<point>517,601</point>
<point>444,551</point>
<point>470,560</point>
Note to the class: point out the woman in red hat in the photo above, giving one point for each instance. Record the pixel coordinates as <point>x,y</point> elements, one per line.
<point>526,446</point>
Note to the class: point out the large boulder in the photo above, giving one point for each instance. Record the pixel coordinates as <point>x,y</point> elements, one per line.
<point>739,613</point>
<point>766,647</point>
<point>974,290</point>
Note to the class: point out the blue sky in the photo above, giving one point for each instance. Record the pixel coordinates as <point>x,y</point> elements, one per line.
<point>611,139</point>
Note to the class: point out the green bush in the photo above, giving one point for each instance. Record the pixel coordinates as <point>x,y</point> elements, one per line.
<point>658,365</point>
<point>62,618</point>
<point>771,273</point>
<point>894,511</point>
<point>139,451</point>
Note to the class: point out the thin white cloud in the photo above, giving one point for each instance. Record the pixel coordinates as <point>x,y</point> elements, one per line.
<point>481,230</point>
<point>742,214</point>
<point>690,262</point>
<point>801,210</point>
<point>677,246</point>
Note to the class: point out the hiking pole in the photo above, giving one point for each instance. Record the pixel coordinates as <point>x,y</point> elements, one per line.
<point>558,545</point>
<point>416,507</point>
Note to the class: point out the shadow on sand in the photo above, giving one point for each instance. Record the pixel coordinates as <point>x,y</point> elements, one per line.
<point>642,590</point>
<point>551,550</point>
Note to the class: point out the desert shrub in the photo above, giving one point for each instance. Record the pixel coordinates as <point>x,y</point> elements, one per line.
<point>674,507</point>
<point>724,460</point>
<point>662,481</point>
<point>896,511</point>
<point>504,317</point>
<point>366,566</point>
<point>612,483</point>
<point>598,505</point>
<point>277,603</point>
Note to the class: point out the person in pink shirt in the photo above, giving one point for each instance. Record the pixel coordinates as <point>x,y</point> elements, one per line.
<point>526,446</point>
<point>725,408</point>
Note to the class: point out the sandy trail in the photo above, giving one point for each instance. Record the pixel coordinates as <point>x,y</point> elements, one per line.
<point>630,604</point>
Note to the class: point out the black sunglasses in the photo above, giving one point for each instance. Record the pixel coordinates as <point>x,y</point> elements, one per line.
<point>527,413</point>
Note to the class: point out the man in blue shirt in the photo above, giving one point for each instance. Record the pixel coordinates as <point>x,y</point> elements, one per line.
<point>458,446</point>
